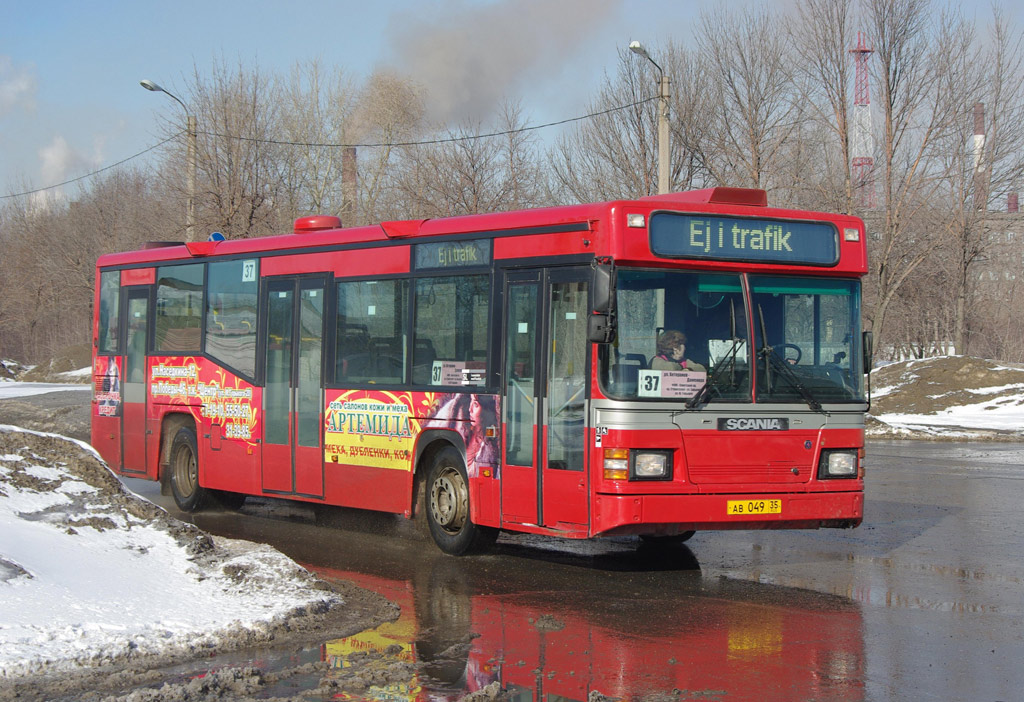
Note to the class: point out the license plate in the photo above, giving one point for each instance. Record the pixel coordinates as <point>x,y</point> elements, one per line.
<point>754,507</point>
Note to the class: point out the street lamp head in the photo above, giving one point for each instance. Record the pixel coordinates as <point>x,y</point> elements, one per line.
<point>150,85</point>
<point>634,46</point>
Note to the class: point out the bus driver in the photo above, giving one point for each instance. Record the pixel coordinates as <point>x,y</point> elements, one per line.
<point>671,349</point>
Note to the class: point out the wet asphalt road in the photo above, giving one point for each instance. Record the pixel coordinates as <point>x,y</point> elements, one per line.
<point>925,601</point>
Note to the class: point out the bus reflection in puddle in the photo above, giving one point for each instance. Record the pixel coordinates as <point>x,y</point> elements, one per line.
<point>528,646</point>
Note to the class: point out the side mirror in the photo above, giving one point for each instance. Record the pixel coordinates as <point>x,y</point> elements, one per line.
<point>867,343</point>
<point>601,322</point>
<point>602,285</point>
<point>600,328</point>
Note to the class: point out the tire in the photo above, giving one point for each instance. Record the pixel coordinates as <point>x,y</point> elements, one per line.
<point>672,540</point>
<point>184,465</point>
<point>447,507</point>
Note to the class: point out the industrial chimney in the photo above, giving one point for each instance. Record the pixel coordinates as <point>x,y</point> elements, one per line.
<point>980,194</point>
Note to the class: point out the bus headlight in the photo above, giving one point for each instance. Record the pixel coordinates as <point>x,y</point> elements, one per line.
<point>652,465</point>
<point>838,464</point>
<point>642,464</point>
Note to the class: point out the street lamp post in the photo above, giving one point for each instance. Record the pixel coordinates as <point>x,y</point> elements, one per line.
<point>190,177</point>
<point>663,151</point>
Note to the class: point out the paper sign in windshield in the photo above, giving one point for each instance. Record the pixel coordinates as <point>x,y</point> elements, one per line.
<point>458,373</point>
<point>657,383</point>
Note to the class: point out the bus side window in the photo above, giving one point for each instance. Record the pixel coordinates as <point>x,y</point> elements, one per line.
<point>371,327</point>
<point>179,308</point>
<point>110,290</point>
<point>231,302</point>
<point>451,325</point>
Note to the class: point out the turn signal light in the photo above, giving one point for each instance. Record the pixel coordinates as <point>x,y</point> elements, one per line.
<point>616,464</point>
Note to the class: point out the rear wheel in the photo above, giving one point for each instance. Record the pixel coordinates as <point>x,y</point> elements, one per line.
<point>188,494</point>
<point>448,514</point>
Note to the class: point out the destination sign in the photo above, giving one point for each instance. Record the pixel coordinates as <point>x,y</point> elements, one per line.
<point>453,254</point>
<point>741,239</point>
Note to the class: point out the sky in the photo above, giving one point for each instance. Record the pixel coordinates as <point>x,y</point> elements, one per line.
<point>70,99</point>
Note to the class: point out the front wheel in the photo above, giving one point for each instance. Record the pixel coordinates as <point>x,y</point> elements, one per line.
<point>184,464</point>
<point>448,515</point>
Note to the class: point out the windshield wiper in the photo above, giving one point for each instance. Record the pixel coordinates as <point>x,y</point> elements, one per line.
<point>704,392</point>
<point>772,358</point>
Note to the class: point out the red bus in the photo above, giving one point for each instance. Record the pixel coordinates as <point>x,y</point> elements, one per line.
<point>683,362</point>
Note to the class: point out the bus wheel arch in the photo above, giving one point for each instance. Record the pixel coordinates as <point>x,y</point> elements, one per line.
<point>170,424</point>
<point>181,458</point>
<point>428,445</point>
<point>445,501</point>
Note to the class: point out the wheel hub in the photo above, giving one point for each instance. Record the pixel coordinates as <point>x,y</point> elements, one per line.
<point>449,501</point>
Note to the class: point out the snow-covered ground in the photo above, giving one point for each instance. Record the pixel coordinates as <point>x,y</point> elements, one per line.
<point>10,388</point>
<point>91,574</point>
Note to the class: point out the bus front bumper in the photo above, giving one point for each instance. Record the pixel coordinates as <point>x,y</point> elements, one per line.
<point>669,514</point>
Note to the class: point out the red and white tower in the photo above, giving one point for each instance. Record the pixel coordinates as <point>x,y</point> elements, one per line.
<point>862,146</point>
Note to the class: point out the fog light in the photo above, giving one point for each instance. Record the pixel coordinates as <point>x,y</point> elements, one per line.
<point>616,464</point>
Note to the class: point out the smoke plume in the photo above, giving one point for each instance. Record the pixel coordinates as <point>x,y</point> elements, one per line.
<point>471,57</point>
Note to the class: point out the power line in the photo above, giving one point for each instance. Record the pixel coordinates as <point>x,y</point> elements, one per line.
<point>96,172</point>
<point>430,142</point>
<point>277,142</point>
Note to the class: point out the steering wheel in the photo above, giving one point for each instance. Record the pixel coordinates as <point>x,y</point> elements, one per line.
<point>781,347</point>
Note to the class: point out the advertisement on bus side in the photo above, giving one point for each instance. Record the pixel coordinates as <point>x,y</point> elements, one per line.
<point>107,383</point>
<point>211,394</point>
<point>379,429</point>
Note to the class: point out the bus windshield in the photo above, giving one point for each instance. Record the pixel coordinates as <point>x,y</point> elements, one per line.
<point>807,339</point>
<point>805,347</point>
<point>658,310</point>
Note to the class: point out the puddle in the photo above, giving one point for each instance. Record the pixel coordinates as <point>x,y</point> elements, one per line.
<point>628,643</point>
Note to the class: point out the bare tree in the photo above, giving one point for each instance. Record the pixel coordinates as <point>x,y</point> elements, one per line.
<point>614,153</point>
<point>982,167</point>
<point>467,172</point>
<point>754,101</point>
<point>917,110</point>
<point>237,121</point>
<point>50,250</point>
<point>823,35</point>
<point>390,112</point>
<point>315,117</point>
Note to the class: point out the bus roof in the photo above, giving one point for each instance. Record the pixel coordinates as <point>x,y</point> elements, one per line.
<point>326,231</point>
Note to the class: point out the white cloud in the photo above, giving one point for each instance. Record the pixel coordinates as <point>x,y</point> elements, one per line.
<point>17,86</point>
<point>60,160</point>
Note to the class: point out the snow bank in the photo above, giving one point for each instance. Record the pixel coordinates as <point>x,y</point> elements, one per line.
<point>91,574</point>
<point>948,397</point>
